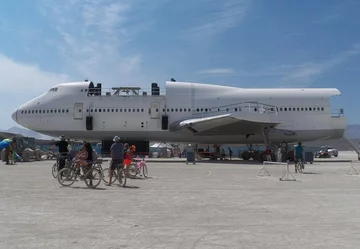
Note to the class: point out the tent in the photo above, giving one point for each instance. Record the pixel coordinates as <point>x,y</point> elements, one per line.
<point>161,146</point>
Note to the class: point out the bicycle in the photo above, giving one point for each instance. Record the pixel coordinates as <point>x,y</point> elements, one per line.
<point>13,157</point>
<point>300,166</point>
<point>118,174</point>
<point>135,167</point>
<point>55,167</point>
<point>98,165</point>
<point>67,176</point>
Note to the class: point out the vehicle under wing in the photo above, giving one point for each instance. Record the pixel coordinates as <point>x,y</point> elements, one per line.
<point>226,124</point>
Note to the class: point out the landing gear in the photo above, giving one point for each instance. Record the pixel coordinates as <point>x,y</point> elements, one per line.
<point>260,155</point>
<point>246,155</point>
<point>250,153</point>
<point>255,154</point>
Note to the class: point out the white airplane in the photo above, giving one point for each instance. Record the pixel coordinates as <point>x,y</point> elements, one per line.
<point>188,112</point>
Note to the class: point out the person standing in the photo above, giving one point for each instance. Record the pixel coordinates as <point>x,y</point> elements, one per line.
<point>63,151</point>
<point>128,157</point>
<point>9,145</point>
<point>117,156</point>
<point>268,154</point>
<point>230,153</point>
<point>299,155</point>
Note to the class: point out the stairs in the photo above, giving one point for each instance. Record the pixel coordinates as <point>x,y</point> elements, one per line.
<point>353,145</point>
<point>199,156</point>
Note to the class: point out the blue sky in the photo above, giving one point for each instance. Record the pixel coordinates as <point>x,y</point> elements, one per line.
<point>244,43</point>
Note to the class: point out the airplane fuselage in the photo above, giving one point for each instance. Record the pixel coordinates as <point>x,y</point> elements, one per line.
<point>301,114</point>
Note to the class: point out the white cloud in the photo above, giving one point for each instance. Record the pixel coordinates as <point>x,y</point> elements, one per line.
<point>23,78</point>
<point>307,73</point>
<point>21,82</point>
<point>228,14</point>
<point>337,11</point>
<point>302,75</point>
<point>93,35</point>
<point>217,71</point>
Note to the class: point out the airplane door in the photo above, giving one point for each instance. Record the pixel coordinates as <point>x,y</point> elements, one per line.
<point>155,110</point>
<point>78,111</point>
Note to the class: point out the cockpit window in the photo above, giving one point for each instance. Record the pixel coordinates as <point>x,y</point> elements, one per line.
<point>54,89</point>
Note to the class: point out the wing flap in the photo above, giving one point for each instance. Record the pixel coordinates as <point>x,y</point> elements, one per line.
<point>227,124</point>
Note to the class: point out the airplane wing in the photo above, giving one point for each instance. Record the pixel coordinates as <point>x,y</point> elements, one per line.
<point>226,124</point>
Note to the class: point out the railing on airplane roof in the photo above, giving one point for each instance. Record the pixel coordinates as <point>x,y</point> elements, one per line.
<point>123,91</point>
<point>252,106</point>
<point>337,113</point>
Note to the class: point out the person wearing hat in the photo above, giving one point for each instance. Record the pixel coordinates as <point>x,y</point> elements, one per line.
<point>63,151</point>
<point>117,156</point>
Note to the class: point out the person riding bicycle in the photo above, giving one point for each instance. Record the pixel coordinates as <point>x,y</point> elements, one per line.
<point>63,149</point>
<point>298,154</point>
<point>117,156</point>
<point>84,157</point>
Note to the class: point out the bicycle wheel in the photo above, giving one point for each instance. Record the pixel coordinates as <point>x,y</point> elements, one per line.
<point>66,177</point>
<point>133,170</point>
<point>122,177</point>
<point>106,175</point>
<point>54,170</point>
<point>93,178</point>
<point>299,167</point>
<point>145,171</point>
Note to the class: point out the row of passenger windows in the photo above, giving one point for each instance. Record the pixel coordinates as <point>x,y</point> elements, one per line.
<point>301,109</point>
<point>115,110</point>
<point>139,110</point>
<point>45,111</point>
<point>168,110</point>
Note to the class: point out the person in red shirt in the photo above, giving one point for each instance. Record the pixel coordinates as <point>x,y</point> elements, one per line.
<point>128,157</point>
<point>268,154</point>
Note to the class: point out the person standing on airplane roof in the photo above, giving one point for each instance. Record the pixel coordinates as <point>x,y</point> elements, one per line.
<point>117,156</point>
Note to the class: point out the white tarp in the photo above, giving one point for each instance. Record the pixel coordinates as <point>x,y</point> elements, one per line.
<point>161,145</point>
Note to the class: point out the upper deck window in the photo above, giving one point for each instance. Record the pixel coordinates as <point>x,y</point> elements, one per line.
<point>54,89</point>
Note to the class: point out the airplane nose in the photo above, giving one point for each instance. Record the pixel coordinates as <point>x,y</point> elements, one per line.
<point>14,116</point>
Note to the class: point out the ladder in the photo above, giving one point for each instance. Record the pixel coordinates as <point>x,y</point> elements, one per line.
<point>353,145</point>
<point>199,156</point>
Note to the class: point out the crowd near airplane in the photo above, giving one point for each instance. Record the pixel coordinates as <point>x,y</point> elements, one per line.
<point>188,112</point>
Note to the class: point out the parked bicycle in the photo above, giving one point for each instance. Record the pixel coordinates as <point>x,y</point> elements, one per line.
<point>137,166</point>
<point>13,158</point>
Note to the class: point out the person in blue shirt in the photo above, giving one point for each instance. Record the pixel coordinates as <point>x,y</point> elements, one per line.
<point>298,154</point>
<point>9,145</point>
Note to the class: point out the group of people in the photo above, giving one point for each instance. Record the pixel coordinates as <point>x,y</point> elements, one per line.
<point>299,154</point>
<point>121,154</point>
